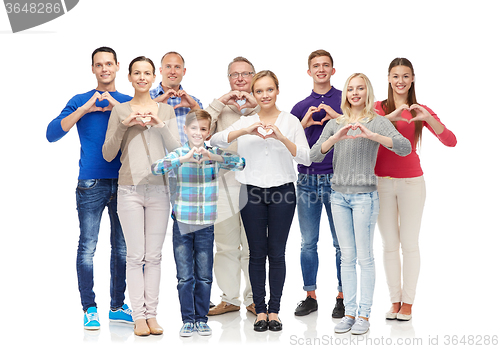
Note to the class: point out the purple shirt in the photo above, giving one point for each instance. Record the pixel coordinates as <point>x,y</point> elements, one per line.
<point>331,98</point>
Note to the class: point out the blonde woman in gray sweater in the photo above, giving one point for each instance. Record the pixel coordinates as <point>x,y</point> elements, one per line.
<point>355,204</point>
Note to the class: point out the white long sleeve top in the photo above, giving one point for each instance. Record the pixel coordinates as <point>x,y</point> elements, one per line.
<point>268,162</point>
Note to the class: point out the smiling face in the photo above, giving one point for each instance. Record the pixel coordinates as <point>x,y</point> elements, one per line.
<point>141,76</point>
<point>401,79</point>
<point>104,67</point>
<point>241,83</point>
<point>197,132</point>
<point>321,70</point>
<point>357,92</point>
<point>265,92</point>
<point>172,71</point>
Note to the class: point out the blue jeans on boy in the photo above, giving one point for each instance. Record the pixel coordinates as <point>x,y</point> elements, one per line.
<point>92,196</point>
<point>193,254</point>
<point>355,216</point>
<point>314,192</point>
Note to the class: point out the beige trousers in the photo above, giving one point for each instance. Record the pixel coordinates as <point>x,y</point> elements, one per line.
<point>401,207</point>
<point>143,211</point>
<point>232,254</point>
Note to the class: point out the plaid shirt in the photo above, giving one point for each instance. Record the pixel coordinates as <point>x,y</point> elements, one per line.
<point>197,184</point>
<point>180,113</point>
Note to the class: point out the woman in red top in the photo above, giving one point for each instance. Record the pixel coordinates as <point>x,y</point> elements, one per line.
<point>401,186</point>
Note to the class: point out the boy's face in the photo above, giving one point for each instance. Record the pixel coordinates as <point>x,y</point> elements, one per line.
<point>197,132</point>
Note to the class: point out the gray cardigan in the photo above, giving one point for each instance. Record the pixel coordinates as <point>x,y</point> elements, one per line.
<point>354,159</point>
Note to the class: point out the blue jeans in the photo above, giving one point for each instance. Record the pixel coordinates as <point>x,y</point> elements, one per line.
<point>314,192</point>
<point>267,218</point>
<point>193,254</point>
<point>92,196</point>
<point>355,216</point>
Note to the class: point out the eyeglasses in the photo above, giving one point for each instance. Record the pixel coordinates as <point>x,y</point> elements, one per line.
<point>245,74</point>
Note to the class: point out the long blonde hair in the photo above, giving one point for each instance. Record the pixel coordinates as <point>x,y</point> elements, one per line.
<point>368,113</point>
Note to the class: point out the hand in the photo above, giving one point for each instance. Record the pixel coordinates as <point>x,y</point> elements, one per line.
<point>135,118</point>
<point>422,114</point>
<point>196,155</point>
<point>276,133</point>
<point>341,134</point>
<point>250,101</point>
<point>307,120</point>
<point>396,114</point>
<point>154,120</point>
<point>163,98</point>
<point>112,102</point>
<point>254,129</point>
<point>330,113</point>
<point>365,132</point>
<point>90,106</point>
<point>186,101</point>
<point>232,97</point>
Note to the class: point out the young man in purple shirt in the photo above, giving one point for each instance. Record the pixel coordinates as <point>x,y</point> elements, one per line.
<point>313,184</point>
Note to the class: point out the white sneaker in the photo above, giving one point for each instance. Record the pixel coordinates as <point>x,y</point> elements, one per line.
<point>361,326</point>
<point>344,325</point>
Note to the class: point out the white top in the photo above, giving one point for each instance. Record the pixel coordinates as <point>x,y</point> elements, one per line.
<point>268,161</point>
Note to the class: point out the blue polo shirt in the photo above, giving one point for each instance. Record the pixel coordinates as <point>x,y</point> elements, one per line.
<point>332,98</point>
<point>92,129</point>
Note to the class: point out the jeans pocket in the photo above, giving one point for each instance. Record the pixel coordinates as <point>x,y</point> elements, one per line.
<point>85,184</point>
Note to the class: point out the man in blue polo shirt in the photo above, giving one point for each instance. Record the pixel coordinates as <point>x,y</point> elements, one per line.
<point>313,184</point>
<point>97,185</point>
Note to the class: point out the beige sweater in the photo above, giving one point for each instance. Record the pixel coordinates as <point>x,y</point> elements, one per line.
<point>140,146</point>
<point>224,116</point>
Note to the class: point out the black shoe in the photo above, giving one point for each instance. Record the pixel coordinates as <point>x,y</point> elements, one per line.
<point>306,307</point>
<point>339,310</point>
<point>260,326</point>
<point>275,325</point>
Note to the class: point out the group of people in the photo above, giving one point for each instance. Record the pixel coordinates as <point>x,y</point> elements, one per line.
<point>146,158</point>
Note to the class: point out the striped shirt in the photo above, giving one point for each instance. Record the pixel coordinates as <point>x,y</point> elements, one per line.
<point>197,184</point>
<point>180,113</point>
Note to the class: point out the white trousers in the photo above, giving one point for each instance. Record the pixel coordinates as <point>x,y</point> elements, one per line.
<point>401,206</point>
<point>143,211</point>
<point>232,254</point>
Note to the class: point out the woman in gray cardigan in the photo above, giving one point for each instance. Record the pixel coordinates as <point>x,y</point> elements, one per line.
<point>355,204</point>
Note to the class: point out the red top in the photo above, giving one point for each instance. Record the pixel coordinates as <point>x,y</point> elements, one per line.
<point>391,165</point>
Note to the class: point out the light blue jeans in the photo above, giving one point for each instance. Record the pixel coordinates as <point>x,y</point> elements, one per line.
<point>355,216</point>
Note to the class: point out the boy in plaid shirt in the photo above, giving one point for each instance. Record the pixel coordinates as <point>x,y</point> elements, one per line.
<point>195,210</point>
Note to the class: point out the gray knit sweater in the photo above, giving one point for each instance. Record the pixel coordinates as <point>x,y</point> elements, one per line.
<point>354,159</point>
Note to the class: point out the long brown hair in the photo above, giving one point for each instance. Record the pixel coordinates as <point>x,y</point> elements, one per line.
<point>389,106</point>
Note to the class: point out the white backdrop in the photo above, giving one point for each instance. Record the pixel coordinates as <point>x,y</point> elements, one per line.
<point>453,46</point>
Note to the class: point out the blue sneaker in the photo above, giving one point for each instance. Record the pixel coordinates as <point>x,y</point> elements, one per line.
<point>202,328</point>
<point>91,319</point>
<point>123,314</point>
<point>187,330</point>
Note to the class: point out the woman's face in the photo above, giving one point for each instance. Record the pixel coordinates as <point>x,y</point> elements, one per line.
<point>356,92</point>
<point>265,92</point>
<point>401,79</point>
<point>141,76</point>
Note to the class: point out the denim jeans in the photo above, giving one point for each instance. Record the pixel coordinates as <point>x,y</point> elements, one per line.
<point>92,196</point>
<point>314,192</point>
<point>193,254</point>
<point>355,216</point>
<point>267,218</point>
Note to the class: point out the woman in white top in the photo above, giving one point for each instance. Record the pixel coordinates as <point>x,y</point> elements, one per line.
<point>269,141</point>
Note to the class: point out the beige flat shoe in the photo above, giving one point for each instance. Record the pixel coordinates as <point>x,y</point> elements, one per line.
<point>404,317</point>
<point>154,328</point>
<point>141,328</point>
<point>391,316</point>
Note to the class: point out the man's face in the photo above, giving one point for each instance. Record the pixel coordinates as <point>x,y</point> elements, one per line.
<point>241,83</point>
<point>321,69</point>
<point>105,68</point>
<point>172,70</point>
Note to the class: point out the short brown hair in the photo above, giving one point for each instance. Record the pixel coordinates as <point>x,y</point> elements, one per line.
<point>319,53</point>
<point>197,114</point>
<point>239,59</point>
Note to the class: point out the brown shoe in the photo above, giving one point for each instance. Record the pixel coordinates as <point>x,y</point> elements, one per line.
<point>223,308</point>
<point>154,328</point>
<point>251,308</point>
<point>141,328</point>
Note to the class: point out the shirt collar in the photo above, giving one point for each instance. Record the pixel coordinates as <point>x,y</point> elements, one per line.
<point>328,94</point>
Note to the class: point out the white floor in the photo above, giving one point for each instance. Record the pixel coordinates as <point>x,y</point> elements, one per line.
<point>455,302</point>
